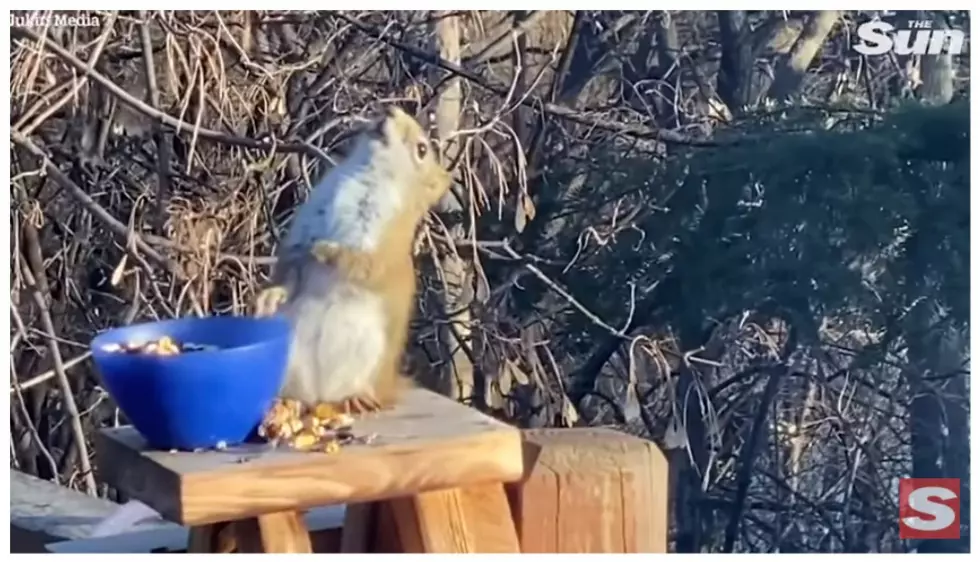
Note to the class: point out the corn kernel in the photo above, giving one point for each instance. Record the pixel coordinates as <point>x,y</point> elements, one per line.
<point>340,421</point>
<point>325,411</point>
<point>304,441</point>
<point>167,346</point>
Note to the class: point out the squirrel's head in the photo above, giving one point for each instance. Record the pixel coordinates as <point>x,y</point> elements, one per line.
<point>411,154</point>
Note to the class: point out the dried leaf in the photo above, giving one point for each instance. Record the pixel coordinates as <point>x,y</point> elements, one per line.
<point>528,205</point>
<point>516,373</point>
<point>505,378</point>
<point>632,408</point>
<point>569,415</point>
<point>119,272</point>
<point>520,219</point>
<point>482,284</point>
<point>674,437</point>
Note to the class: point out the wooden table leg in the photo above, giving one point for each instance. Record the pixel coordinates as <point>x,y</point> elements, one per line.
<point>217,537</point>
<point>464,520</point>
<point>280,532</point>
<point>359,528</point>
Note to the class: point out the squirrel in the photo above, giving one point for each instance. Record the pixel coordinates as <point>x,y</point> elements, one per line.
<point>345,276</point>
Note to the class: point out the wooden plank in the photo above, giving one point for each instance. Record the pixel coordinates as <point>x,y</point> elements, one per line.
<point>324,524</point>
<point>591,491</point>
<point>282,532</point>
<point>45,507</point>
<point>428,442</point>
<point>463,520</point>
<point>172,540</point>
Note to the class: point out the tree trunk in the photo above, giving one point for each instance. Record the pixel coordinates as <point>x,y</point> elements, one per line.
<point>937,74</point>
<point>456,378</point>
<point>735,72</point>
<point>792,67</point>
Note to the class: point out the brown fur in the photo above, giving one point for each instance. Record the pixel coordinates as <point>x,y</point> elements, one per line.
<point>389,270</point>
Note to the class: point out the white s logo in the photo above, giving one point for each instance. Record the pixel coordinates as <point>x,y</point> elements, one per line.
<point>874,35</point>
<point>942,515</point>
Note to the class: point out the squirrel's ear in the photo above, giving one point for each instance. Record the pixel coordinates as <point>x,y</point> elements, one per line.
<point>376,130</point>
<point>393,112</point>
<point>396,112</point>
<point>378,124</point>
<point>380,127</point>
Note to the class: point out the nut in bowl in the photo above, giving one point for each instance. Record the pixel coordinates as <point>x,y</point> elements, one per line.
<point>194,383</point>
<point>164,346</point>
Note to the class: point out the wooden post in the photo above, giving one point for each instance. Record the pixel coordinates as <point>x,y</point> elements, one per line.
<point>591,491</point>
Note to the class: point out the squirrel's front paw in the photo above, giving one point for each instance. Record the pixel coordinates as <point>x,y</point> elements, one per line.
<point>325,251</point>
<point>270,299</point>
<point>354,265</point>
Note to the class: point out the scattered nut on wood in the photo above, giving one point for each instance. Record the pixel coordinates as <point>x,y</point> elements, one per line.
<point>321,427</point>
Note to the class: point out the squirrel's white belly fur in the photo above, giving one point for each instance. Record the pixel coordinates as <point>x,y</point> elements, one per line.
<point>338,337</point>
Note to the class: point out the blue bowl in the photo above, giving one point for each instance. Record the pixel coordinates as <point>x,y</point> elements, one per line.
<point>196,399</point>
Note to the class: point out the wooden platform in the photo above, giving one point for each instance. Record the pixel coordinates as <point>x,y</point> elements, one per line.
<point>427,443</point>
